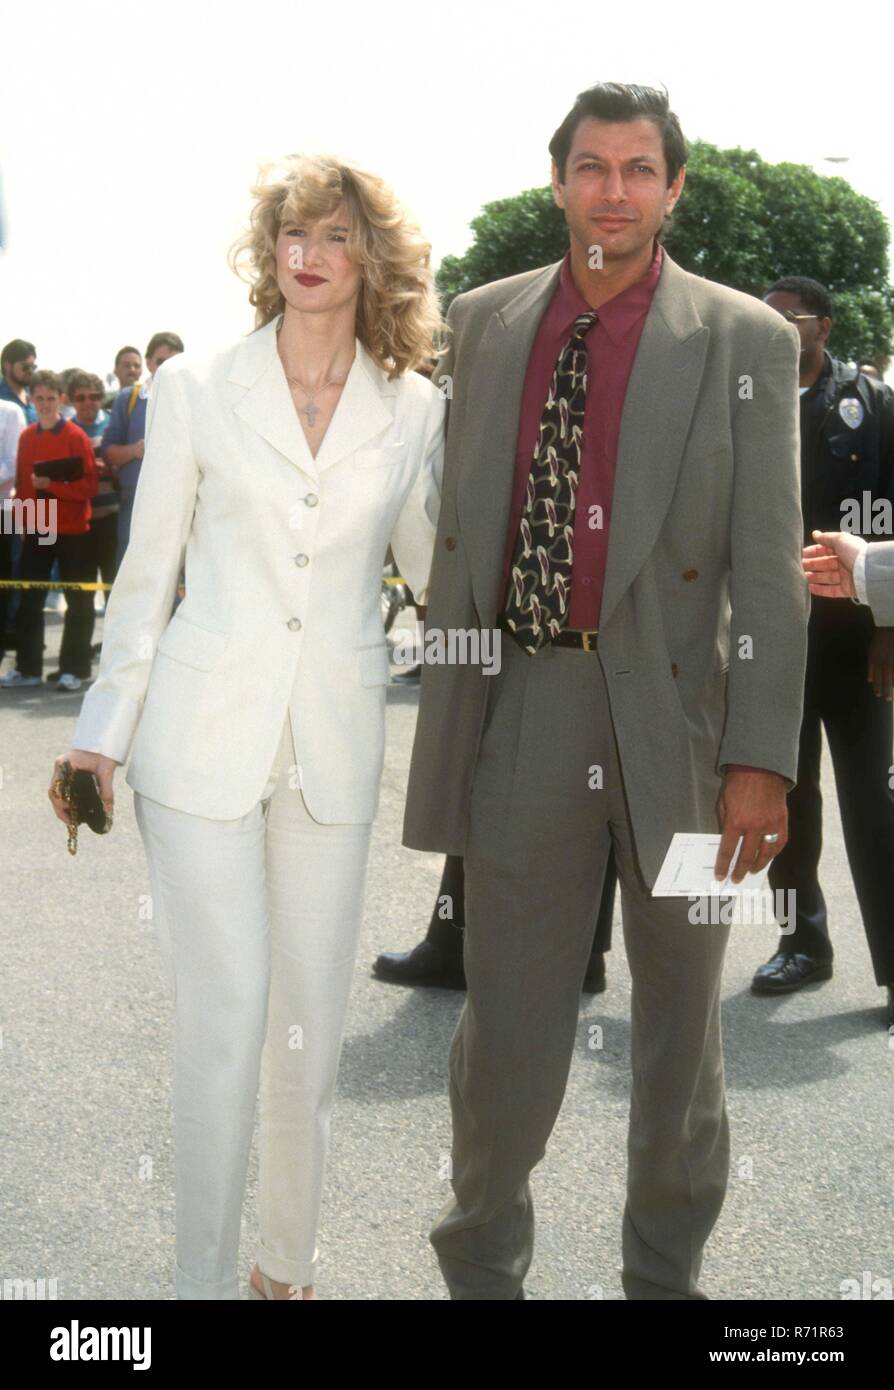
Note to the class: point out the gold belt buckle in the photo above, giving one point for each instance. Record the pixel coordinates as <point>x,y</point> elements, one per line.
<point>585,637</point>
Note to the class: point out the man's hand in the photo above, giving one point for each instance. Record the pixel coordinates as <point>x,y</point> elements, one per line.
<point>751,804</point>
<point>881,662</point>
<point>39,482</point>
<point>829,565</point>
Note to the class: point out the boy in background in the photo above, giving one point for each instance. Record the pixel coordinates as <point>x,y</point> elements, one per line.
<point>56,465</point>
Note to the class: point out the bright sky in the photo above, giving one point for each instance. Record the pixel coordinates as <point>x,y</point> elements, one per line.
<point>131,135</point>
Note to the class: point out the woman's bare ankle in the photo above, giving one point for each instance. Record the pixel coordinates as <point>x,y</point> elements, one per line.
<point>280,1289</point>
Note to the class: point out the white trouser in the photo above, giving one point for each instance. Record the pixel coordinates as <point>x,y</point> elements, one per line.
<point>257,920</point>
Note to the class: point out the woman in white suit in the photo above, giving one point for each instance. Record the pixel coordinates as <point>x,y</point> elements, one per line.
<point>279,470</point>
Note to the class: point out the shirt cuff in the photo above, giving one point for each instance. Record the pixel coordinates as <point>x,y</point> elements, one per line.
<point>744,767</point>
<point>860,577</point>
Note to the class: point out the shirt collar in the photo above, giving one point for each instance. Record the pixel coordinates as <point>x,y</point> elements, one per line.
<point>822,390</point>
<point>54,429</point>
<point>617,315</point>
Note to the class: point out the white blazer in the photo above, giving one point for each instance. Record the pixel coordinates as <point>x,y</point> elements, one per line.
<point>283,556</point>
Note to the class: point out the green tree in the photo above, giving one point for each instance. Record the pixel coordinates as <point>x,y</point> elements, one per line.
<point>740,221</point>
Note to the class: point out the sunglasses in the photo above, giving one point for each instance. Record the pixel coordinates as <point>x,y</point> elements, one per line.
<point>81,397</point>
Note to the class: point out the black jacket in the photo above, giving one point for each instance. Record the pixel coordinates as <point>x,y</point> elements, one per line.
<point>841,461</point>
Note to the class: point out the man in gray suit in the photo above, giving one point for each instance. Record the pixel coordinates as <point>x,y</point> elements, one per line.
<point>621,502</point>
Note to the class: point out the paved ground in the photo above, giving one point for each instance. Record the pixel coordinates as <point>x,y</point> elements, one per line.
<point>86,1194</point>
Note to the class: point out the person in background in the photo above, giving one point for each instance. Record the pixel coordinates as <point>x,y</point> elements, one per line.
<point>11,425</point>
<point>847,463</point>
<point>17,362</point>
<point>122,445</point>
<point>56,601</point>
<point>128,370</point>
<point>66,409</point>
<point>86,391</point>
<point>54,440</point>
<point>839,565</point>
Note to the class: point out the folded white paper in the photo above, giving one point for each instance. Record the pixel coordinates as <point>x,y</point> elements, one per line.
<point>688,871</point>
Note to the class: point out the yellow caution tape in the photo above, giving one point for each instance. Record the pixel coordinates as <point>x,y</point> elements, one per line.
<point>71,584</point>
<point>48,584</point>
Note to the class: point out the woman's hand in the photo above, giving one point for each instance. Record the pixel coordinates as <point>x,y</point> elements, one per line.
<point>91,762</point>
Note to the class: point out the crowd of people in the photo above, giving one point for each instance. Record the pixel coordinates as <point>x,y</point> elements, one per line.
<point>70,450</point>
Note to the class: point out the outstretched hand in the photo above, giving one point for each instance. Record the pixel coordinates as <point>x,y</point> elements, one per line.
<point>829,565</point>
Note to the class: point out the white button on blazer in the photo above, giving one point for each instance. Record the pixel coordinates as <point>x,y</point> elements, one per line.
<point>283,557</point>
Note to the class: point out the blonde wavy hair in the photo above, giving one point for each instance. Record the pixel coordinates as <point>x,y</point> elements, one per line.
<point>398,310</point>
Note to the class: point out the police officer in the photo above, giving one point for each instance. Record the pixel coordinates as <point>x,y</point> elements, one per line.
<point>847,483</point>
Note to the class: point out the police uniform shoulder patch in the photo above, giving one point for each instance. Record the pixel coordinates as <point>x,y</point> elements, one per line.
<point>851,411</point>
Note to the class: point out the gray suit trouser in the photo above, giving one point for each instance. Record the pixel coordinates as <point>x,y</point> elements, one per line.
<point>537,846</point>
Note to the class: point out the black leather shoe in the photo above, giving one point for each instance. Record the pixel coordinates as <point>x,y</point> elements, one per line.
<point>594,980</point>
<point>426,964</point>
<point>790,970</point>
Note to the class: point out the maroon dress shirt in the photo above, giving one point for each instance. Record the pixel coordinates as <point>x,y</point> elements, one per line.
<point>611,347</point>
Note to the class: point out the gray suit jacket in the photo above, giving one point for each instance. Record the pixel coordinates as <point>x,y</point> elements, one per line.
<point>703,625</point>
<point>879,576</point>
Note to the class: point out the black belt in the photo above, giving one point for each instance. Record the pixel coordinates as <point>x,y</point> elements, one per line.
<point>582,639</point>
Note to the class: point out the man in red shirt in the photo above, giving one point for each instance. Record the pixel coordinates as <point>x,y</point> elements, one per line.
<point>56,477</point>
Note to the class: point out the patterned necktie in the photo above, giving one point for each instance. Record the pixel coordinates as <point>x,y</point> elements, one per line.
<point>539,591</point>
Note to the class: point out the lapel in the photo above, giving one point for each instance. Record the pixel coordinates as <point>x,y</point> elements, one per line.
<point>658,406</point>
<point>655,420</point>
<point>362,412</point>
<point>484,491</point>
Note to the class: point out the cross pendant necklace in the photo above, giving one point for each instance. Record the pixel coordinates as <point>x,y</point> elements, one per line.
<point>312,410</point>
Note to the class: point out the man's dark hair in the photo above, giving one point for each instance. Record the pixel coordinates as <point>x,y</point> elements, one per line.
<point>169,340</point>
<point>121,351</point>
<point>620,101</point>
<point>16,351</point>
<point>814,296</point>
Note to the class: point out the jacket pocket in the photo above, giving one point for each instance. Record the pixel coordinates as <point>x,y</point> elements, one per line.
<point>192,645</point>
<point>378,458</point>
<point>374,667</point>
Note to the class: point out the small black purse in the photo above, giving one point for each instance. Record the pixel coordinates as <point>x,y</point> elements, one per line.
<point>79,790</point>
